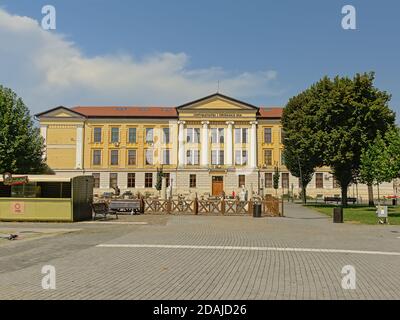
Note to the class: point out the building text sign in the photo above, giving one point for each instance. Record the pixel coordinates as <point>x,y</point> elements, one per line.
<point>218,115</point>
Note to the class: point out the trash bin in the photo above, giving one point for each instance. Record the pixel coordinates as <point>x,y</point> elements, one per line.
<point>338,215</point>
<point>257,210</point>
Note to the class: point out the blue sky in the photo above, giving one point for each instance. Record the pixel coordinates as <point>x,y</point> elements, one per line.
<point>263,52</point>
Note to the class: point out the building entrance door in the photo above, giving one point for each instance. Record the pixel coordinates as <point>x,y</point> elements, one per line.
<point>217,185</point>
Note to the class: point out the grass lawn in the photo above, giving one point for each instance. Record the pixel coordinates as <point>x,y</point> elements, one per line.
<point>359,213</point>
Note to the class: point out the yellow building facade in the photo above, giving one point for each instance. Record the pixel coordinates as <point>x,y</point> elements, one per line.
<point>213,145</point>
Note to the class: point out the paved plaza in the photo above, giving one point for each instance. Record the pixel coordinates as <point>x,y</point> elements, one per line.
<point>299,256</point>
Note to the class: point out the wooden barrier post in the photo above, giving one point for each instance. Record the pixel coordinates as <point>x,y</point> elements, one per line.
<point>196,206</point>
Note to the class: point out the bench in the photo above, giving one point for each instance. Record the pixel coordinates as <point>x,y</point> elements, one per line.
<point>339,199</point>
<point>131,206</point>
<point>101,208</point>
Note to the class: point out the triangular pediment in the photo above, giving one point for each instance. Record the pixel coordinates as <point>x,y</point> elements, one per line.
<point>217,102</point>
<point>62,113</point>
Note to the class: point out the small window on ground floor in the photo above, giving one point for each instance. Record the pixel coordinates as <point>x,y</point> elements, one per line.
<point>242,180</point>
<point>268,180</point>
<point>167,179</point>
<point>319,180</point>
<point>192,181</point>
<point>285,180</point>
<point>148,180</point>
<point>336,184</point>
<point>131,180</point>
<point>96,177</point>
<point>113,180</point>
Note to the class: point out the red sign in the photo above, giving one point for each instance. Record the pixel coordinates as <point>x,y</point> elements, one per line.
<point>9,180</point>
<point>18,207</point>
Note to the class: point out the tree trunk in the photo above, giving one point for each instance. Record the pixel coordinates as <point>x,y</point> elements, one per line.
<point>371,196</point>
<point>304,195</point>
<point>344,195</point>
<point>379,197</point>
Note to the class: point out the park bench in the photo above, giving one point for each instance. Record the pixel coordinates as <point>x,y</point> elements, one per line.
<point>339,199</point>
<point>131,206</point>
<point>101,208</point>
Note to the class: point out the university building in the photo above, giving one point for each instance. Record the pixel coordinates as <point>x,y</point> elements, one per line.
<point>212,145</point>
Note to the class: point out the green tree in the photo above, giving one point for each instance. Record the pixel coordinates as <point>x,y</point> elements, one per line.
<point>300,153</point>
<point>375,166</point>
<point>21,146</point>
<point>343,116</point>
<point>392,138</point>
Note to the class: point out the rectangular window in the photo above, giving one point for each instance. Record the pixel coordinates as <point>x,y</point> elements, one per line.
<point>149,135</point>
<point>97,135</point>
<point>319,180</point>
<point>132,135</point>
<point>217,157</point>
<point>193,135</point>
<point>285,180</point>
<point>114,157</point>
<point>131,180</point>
<point>96,157</point>
<point>217,135</point>
<point>113,180</point>
<point>221,157</point>
<point>149,157</point>
<point>131,157</point>
<point>336,184</point>
<point>241,135</point>
<point>166,156</point>
<point>192,157</point>
<point>167,179</point>
<point>283,136</point>
<point>96,177</point>
<point>166,135</point>
<point>282,158</point>
<point>148,180</point>
<point>241,157</point>
<point>221,135</point>
<point>242,180</point>
<point>268,180</point>
<point>268,157</point>
<point>192,181</point>
<point>114,135</point>
<point>267,135</point>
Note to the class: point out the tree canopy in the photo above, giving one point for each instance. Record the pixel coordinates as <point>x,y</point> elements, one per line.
<point>21,146</point>
<point>337,119</point>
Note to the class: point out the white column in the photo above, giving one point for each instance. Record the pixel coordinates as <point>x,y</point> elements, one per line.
<point>43,133</point>
<point>229,144</point>
<point>181,144</point>
<point>253,145</point>
<point>204,144</point>
<point>79,147</point>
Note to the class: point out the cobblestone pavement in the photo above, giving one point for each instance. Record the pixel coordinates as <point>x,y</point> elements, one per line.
<point>196,257</point>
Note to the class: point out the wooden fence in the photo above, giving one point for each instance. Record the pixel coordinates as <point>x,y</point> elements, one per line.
<point>270,207</point>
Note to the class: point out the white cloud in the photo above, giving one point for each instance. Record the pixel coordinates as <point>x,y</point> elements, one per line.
<point>46,70</point>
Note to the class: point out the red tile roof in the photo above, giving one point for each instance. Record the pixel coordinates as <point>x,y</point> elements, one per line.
<point>137,112</point>
<point>155,112</point>
<point>271,112</point>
